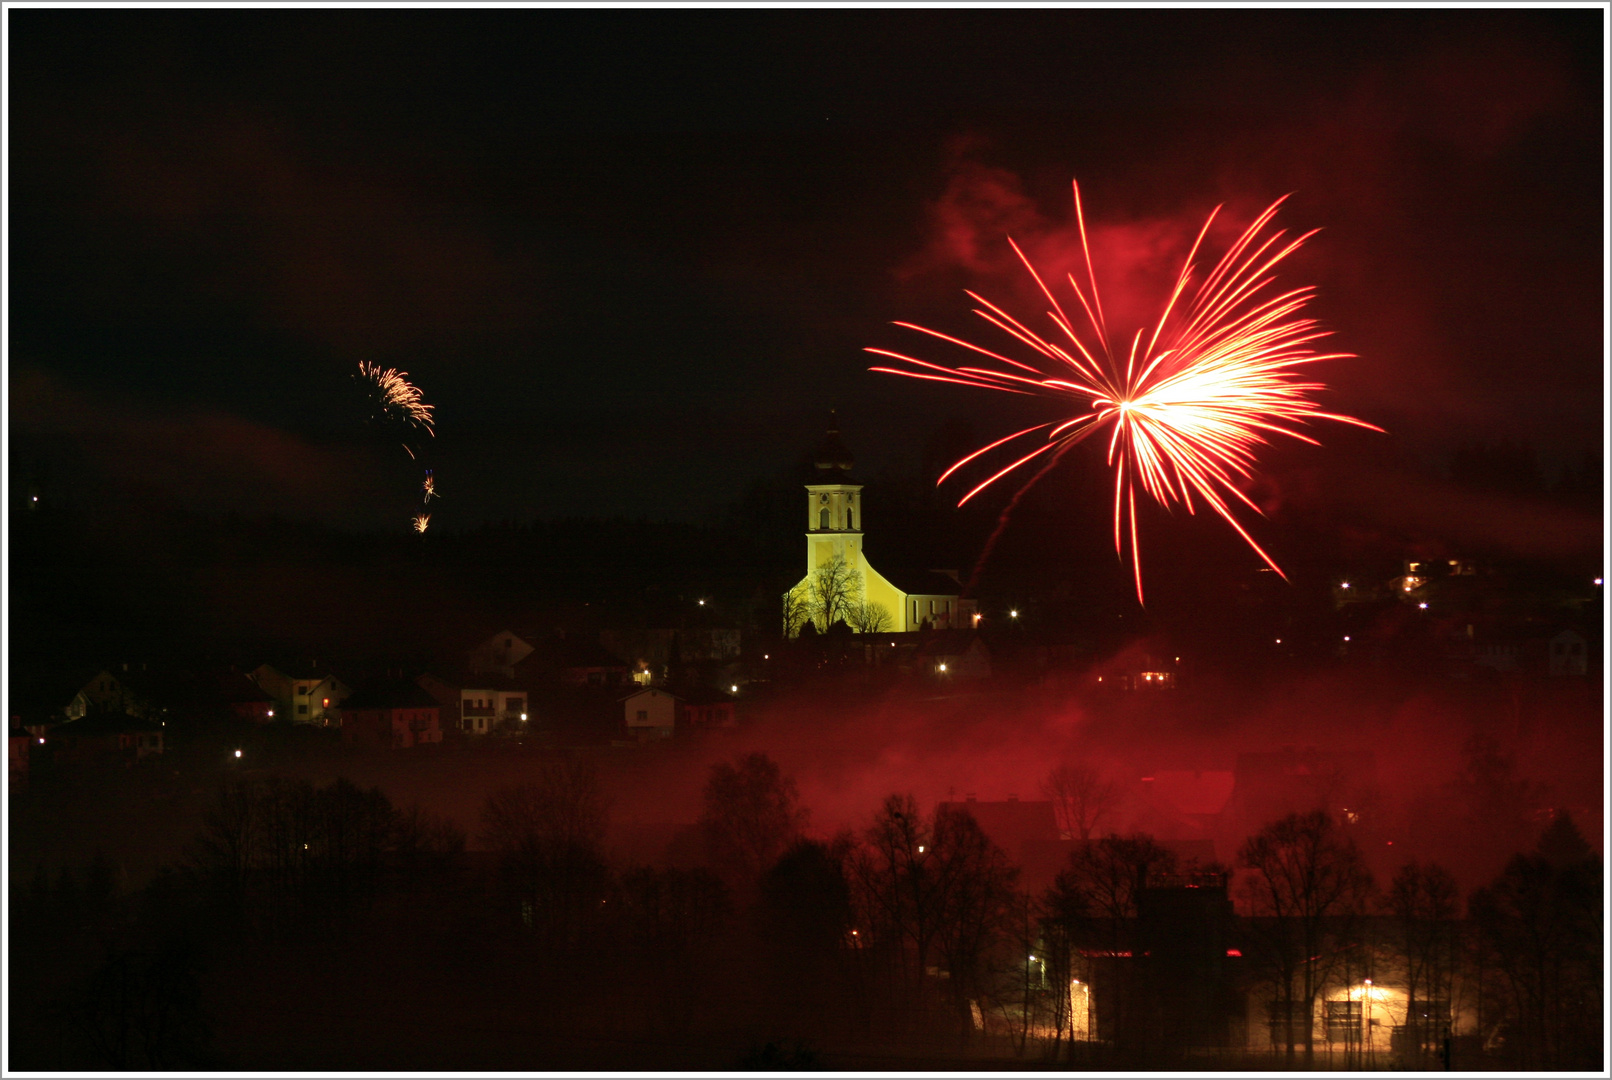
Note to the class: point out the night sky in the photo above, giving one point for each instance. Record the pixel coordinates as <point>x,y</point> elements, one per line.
<point>632,257</point>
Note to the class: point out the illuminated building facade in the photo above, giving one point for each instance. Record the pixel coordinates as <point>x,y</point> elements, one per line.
<point>834,537</point>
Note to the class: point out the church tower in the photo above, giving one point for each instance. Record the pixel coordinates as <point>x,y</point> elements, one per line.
<point>833,507</point>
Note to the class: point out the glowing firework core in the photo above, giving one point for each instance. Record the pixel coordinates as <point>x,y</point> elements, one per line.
<point>1188,410</point>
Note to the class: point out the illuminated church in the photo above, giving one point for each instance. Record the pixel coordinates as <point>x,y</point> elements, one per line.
<point>834,532</point>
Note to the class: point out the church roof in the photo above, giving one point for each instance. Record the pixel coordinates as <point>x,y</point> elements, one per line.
<point>390,694</point>
<point>924,582</point>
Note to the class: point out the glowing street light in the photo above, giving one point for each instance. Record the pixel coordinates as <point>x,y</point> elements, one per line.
<point>943,667</point>
<point>237,753</point>
<point>523,718</point>
<point>1422,606</point>
<point>734,689</point>
<point>1014,614</point>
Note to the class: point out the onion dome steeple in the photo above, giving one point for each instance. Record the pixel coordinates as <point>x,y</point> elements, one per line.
<point>832,457</point>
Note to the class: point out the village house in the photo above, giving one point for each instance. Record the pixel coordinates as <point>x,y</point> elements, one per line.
<point>19,746</point>
<point>107,735</point>
<point>953,655</point>
<point>500,654</point>
<point>705,708</point>
<point>239,695</point>
<point>302,693</point>
<point>393,713</point>
<point>477,704</point>
<point>651,713</point>
<point>126,688</point>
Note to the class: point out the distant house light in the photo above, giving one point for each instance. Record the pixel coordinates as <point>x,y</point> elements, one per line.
<point>702,603</point>
<point>237,753</point>
<point>1422,606</point>
<point>1345,585</point>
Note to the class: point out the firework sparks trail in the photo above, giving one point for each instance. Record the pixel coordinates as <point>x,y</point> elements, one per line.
<point>396,400</point>
<point>1186,402</point>
<point>397,406</point>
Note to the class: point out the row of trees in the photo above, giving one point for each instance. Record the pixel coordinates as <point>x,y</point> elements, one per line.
<point>833,595</point>
<point>918,923</point>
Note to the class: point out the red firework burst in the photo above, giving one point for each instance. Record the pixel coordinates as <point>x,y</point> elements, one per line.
<point>1187,409</point>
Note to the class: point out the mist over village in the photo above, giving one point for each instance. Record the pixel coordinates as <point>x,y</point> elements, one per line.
<point>805,540</point>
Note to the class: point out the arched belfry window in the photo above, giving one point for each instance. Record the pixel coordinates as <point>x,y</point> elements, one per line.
<point>850,519</point>
<point>822,518</point>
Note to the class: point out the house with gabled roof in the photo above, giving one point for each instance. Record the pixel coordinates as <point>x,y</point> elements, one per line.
<point>394,713</point>
<point>303,693</point>
<point>651,713</point>
<point>477,704</point>
<point>501,653</point>
<point>129,688</point>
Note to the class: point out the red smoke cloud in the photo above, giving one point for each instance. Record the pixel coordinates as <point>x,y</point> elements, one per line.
<point>969,226</point>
